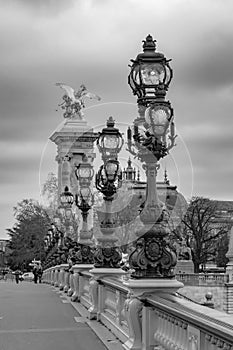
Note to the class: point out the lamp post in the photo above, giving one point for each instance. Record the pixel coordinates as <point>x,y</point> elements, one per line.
<point>152,137</point>
<point>84,200</point>
<point>108,180</point>
<point>81,254</point>
<point>66,215</point>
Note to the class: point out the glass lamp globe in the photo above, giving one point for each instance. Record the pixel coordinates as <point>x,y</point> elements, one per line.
<point>111,169</point>
<point>158,119</point>
<point>85,193</point>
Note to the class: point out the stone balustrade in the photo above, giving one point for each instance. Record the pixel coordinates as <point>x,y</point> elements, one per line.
<point>84,289</point>
<point>210,279</point>
<point>159,321</point>
<point>111,308</point>
<point>178,324</point>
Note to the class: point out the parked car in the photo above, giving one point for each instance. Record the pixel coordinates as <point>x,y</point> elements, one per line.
<point>27,276</point>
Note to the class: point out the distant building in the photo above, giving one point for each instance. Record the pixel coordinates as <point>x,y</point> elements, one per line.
<point>224,213</point>
<point>167,193</point>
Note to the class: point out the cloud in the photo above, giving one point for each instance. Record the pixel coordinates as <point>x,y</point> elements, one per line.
<point>92,42</point>
<point>40,7</point>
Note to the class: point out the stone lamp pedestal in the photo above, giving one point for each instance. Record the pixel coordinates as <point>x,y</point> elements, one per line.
<point>139,290</point>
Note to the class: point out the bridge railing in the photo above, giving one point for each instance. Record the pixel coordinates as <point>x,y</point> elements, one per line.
<point>84,289</point>
<point>156,321</point>
<point>173,323</point>
<point>111,312</point>
<point>210,279</point>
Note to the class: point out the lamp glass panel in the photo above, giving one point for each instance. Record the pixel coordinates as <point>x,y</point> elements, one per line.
<point>68,213</point>
<point>158,119</point>
<point>111,141</point>
<point>168,74</point>
<point>136,75</point>
<point>61,211</point>
<point>71,199</point>
<point>84,172</point>
<point>111,168</point>
<point>85,192</point>
<point>152,73</point>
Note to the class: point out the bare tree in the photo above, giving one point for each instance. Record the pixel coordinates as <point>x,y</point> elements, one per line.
<point>202,235</point>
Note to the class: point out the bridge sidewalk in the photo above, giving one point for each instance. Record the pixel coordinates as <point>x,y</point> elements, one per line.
<point>38,317</point>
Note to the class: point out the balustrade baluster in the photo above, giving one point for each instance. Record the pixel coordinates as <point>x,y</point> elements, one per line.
<point>184,336</point>
<point>118,307</point>
<point>75,283</point>
<point>214,343</point>
<point>158,328</point>
<point>66,281</point>
<point>168,333</point>
<point>160,335</point>
<point>177,334</point>
<point>173,330</point>
<point>164,329</point>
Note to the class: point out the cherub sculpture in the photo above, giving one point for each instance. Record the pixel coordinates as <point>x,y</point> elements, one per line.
<point>73,101</point>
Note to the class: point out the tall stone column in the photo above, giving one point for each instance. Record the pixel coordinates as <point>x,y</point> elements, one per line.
<point>74,140</point>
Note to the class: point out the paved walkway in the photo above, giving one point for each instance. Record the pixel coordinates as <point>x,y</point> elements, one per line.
<point>35,317</point>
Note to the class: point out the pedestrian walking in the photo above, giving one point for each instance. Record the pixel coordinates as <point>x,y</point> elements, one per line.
<point>17,276</point>
<point>40,273</point>
<point>35,273</point>
<point>4,273</point>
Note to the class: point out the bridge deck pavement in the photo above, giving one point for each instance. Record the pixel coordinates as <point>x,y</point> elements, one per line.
<point>35,317</point>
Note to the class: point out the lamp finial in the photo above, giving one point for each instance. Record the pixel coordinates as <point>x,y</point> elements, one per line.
<point>149,44</point>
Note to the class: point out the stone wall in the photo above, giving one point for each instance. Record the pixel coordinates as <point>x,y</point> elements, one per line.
<point>198,294</point>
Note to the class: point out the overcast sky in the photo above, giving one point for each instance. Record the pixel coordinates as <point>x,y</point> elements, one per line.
<point>92,41</point>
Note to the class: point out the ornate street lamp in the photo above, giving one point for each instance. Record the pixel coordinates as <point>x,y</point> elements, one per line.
<point>84,200</point>
<point>108,180</point>
<point>110,141</point>
<point>152,137</point>
<point>150,74</point>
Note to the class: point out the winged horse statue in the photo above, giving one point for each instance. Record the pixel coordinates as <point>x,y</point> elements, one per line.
<point>73,101</point>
